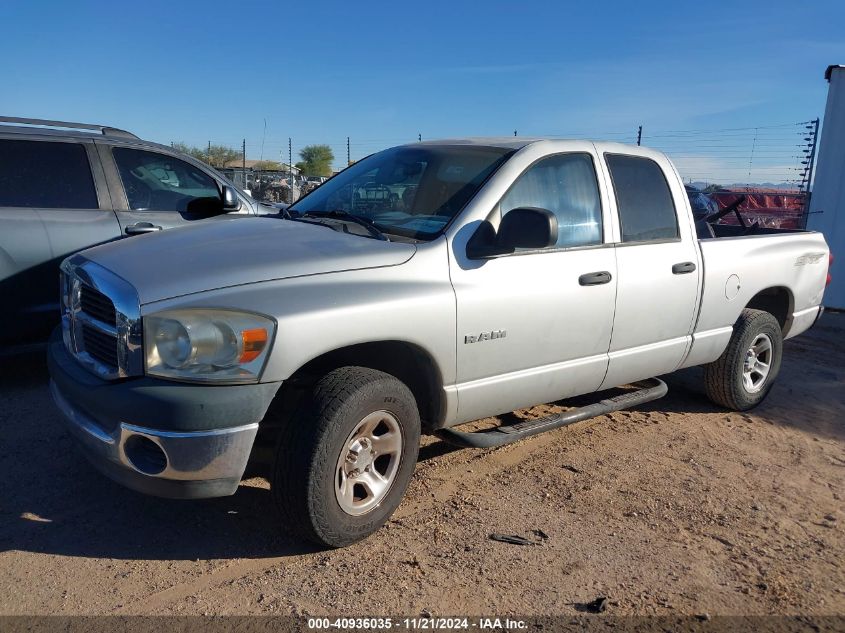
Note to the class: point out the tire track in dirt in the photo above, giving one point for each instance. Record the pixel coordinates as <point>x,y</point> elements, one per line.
<point>498,460</point>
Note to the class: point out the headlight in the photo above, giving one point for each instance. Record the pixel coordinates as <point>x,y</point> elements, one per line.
<point>203,345</point>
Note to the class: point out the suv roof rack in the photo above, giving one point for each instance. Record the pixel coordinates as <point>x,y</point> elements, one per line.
<point>105,130</point>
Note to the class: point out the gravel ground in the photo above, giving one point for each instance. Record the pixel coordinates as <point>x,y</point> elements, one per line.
<point>676,507</point>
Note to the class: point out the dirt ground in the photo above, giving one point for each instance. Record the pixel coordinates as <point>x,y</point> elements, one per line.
<point>677,507</point>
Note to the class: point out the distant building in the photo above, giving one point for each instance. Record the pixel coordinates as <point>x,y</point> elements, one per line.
<point>827,204</point>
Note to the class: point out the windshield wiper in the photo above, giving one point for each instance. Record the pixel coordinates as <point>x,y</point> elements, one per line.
<point>280,211</point>
<point>344,216</point>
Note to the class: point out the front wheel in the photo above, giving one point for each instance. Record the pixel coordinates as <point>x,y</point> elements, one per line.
<point>342,466</point>
<point>743,375</point>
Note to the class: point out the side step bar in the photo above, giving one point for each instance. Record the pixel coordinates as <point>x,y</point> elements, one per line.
<point>648,390</point>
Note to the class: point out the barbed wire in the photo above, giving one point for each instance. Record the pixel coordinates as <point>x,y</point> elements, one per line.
<point>742,155</point>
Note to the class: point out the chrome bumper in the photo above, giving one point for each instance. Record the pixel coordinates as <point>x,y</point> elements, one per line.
<point>191,464</point>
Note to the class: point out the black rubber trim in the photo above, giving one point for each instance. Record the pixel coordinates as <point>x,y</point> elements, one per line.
<point>649,390</point>
<point>154,403</point>
<point>818,315</point>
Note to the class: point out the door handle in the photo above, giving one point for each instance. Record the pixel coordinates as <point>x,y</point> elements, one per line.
<point>683,268</point>
<point>141,227</point>
<point>595,279</point>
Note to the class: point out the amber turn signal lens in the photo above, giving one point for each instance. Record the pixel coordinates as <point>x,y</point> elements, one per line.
<point>254,341</point>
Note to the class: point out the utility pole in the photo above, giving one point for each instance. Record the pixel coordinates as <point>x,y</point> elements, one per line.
<point>348,155</point>
<point>814,133</point>
<point>243,162</point>
<point>290,170</point>
<point>639,134</point>
<point>208,153</point>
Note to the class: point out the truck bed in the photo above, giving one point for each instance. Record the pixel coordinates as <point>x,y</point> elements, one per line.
<point>780,270</point>
<point>733,230</point>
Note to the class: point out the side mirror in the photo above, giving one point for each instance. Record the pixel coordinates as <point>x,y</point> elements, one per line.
<point>525,227</point>
<point>231,201</point>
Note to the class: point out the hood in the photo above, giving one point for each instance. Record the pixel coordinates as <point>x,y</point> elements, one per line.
<point>236,251</point>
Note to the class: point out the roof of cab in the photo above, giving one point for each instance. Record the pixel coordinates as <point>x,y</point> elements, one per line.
<point>516,143</point>
<point>507,142</point>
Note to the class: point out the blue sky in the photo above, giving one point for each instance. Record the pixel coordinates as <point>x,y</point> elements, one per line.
<point>382,72</point>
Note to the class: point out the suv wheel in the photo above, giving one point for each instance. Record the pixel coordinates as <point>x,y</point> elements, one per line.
<point>342,467</point>
<point>743,375</point>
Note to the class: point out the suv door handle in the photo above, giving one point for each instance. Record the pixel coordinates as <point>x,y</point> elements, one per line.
<point>595,279</point>
<point>141,227</point>
<point>683,268</point>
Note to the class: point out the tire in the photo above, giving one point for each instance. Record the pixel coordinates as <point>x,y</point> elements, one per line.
<point>733,381</point>
<point>324,480</point>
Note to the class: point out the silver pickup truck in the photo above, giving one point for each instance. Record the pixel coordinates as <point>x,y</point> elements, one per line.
<point>425,286</point>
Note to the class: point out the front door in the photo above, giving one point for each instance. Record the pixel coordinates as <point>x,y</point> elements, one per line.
<point>155,191</point>
<point>535,326</point>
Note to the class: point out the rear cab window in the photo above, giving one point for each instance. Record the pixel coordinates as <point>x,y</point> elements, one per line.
<point>646,208</point>
<point>46,175</point>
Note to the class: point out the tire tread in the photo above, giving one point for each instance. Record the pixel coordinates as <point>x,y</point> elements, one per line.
<point>301,454</point>
<point>720,381</point>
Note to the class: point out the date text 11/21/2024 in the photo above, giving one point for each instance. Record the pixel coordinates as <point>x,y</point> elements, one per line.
<point>417,623</point>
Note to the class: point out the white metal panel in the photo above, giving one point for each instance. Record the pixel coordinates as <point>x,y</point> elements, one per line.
<point>827,206</point>
<point>556,331</point>
<point>737,268</point>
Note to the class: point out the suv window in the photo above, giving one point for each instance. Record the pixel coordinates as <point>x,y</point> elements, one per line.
<point>158,182</point>
<point>646,209</point>
<point>566,185</point>
<point>46,175</point>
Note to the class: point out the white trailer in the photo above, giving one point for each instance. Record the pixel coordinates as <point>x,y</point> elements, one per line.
<point>827,205</point>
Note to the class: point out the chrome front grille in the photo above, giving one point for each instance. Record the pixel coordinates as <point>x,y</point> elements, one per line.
<point>97,305</point>
<point>101,322</point>
<point>101,346</point>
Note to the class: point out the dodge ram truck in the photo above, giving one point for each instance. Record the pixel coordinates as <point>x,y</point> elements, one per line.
<point>425,286</point>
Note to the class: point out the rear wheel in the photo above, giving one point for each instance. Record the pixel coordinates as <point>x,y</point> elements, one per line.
<point>343,464</point>
<point>743,375</point>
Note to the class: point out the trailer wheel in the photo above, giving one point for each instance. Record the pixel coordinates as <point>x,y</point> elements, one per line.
<point>743,375</point>
<point>343,464</point>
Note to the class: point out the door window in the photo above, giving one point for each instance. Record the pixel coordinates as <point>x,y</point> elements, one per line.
<point>646,209</point>
<point>46,175</point>
<point>158,182</point>
<point>566,185</point>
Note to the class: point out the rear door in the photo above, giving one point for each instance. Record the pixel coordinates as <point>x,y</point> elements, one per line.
<point>154,190</point>
<point>659,272</point>
<point>53,202</point>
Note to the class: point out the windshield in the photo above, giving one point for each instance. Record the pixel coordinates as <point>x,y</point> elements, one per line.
<point>413,191</point>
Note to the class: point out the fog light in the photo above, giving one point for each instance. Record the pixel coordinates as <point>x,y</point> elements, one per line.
<point>145,455</point>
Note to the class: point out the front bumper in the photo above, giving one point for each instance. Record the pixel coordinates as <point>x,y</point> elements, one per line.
<point>148,434</point>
